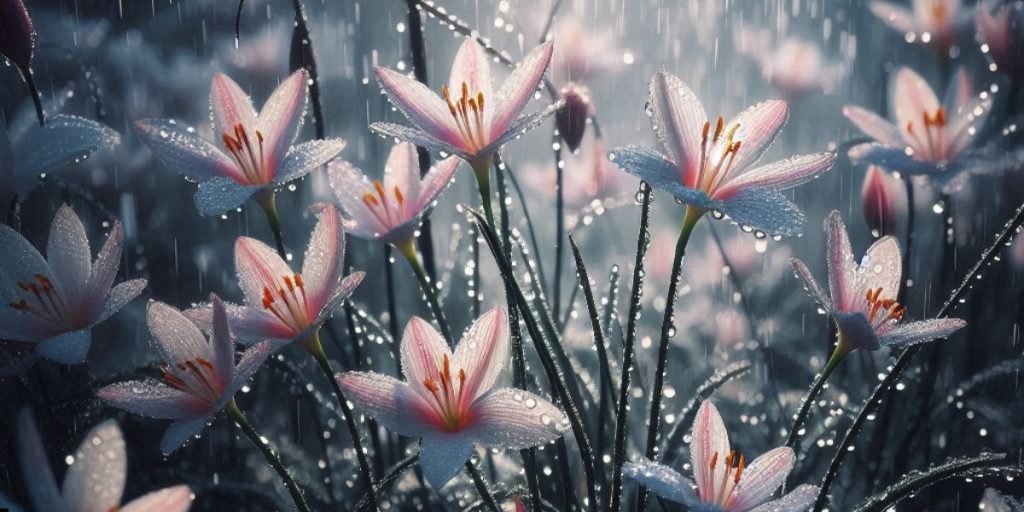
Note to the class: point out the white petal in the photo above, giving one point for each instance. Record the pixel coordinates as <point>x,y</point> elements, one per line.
<point>308,157</point>
<point>423,107</point>
<point>180,432</point>
<point>96,479</point>
<point>763,476</point>
<point>152,399</point>
<point>797,500</point>
<point>442,456</point>
<point>419,138</point>
<point>118,297</point>
<point>229,106</point>
<point>422,350</point>
<point>764,209</point>
<point>68,348</point>
<point>648,165</point>
<point>662,480</point>
<point>218,195</point>
<point>758,127</point>
<point>281,117</point>
<point>519,88</point>
<point>779,175</point>
<point>678,119</point>
<point>258,267</point>
<point>483,352</point>
<point>515,419</point>
<point>322,268</point>
<point>920,332</point>
<point>67,252</point>
<point>872,124</point>
<point>222,348</point>
<point>176,338</point>
<point>881,267</point>
<point>64,140</point>
<point>811,284</point>
<point>911,97</point>
<point>709,438</point>
<point>104,269</point>
<point>179,147</point>
<point>389,401</point>
<point>35,470</point>
<point>402,170</point>
<point>840,263</point>
<point>170,499</point>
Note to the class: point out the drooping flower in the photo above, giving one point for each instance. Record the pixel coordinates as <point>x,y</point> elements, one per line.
<point>1001,28</point>
<point>281,304</point>
<point>709,165</point>
<point>18,44</point>
<point>571,119</point>
<point>200,377</point>
<point>724,481</point>
<point>928,138</point>
<point>471,121</point>
<point>390,210</point>
<point>95,481</point>
<point>257,154</point>
<point>54,302</point>
<point>862,296</point>
<point>883,200</point>
<point>934,23</point>
<point>449,400</point>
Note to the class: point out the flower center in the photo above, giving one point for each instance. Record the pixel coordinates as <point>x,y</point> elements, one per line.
<point>288,303</point>
<point>882,310</point>
<point>378,201</point>
<point>449,403</point>
<point>468,112</point>
<point>722,493</point>
<point>716,155</point>
<point>940,13</point>
<point>40,299</point>
<point>929,138</point>
<point>249,158</point>
<point>195,377</point>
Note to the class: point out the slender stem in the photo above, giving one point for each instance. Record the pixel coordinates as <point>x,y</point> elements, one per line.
<point>908,183</point>
<point>308,60</point>
<point>529,224</point>
<point>389,281</point>
<point>481,487</point>
<point>268,453</point>
<point>408,249</point>
<point>482,170</point>
<point>36,98</point>
<point>819,384</point>
<point>238,21</point>
<point>418,49</point>
<point>266,201</point>
<point>556,283</point>
<point>396,471</point>
<point>693,214</point>
<point>622,406</point>
<point>316,349</point>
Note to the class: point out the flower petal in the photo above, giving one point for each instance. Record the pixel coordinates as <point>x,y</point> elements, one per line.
<point>176,338</point>
<point>221,346</point>
<point>765,210</point>
<point>63,140</point>
<point>911,97</point>
<point>420,138</point>
<point>663,481</point>
<point>152,399</point>
<point>811,285</point>
<point>218,195</point>
<point>251,325</point>
<point>840,263</point>
<point>402,170</point>
<point>35,470</point>
<point>95,481</point>
<point>648,165</point>
<point>780,175</point>
<point>758,127</point>
<point>470,67</point>
<point>855,330</point>
<point>519,88</point>
<point>482,353</point>
<point>709,438</point>
<point>67,252</point>
<point>258,267</point>
<point>923,331</point>
<point>67,348</point>
<point>340,294</point>
<point>280,119</point>
<point>229,106</point>
<point>179,148</point>
<point>180,432</point>
<point>893,159</point>
<point>438,178</point>
<point>350,185</point>
<point>118,297</point>
<point>797,500</point>
<point>678,119</point>
<point>763,476</point>
<point>515,419</point>
<point>881,267</point>
<point>248,363</point>
<point>21,260</point>
<point>390,401</point>
<point>104,269</point>
<point>875,126</point>
<point>307,157</point>
<point>442,456</point>
<point>322,268</point>
<point>421,106</point>
<point>170,499</point>
<point>422,350</point>
<point>897,17</point>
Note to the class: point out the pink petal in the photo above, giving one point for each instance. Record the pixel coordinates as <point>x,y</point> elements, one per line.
<point>350,185</point>
<point>811,284</point>
<point>763,476</point>
<point>280,119</point>
<point>912,97</point>
<point>170,499</point>
<point>308,157</point>
<point>442,456</point>
<point>251,324</point>
<point>35,470</point>
<point>758,127</point>
<point>422,351</point>
<point>797,500</point>
<point>678,119</point>
<point>390,401</point>
<point>248,363</point>
<point>221,346</point>
<point>779,175</point>
<point>322,265</point>
<point>958,92</point>
<point>258,267</point>
<point>897,17</point>
<point>874,126</point>
<point>923,331</point>
<point>517,90</point>
<point>176,338</point>
<point>470,67</point>
<point>425,109</point>
<point>482,353</point>
<point>118,298</point>
<point>152,399</point>
<point>840,262</point>
<point>440,176</point>
<point>67,252</point>
<point>515,419</point>
<point>230,106</point>
<point>882,267</point>
<point>96,479</point>
<point>709,438</point>
<point>104,269</point>
<point>180,149</point>
<point>402,171</point>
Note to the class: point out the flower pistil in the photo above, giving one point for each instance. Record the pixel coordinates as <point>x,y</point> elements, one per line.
<point>448,401</point>
<point>713,171</point>
<point>470,127</point>
<point>293,311</point>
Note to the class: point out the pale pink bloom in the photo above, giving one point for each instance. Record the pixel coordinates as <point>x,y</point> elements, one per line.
<point>583,52</point>
<point>95,481</point>
<point>471,120</point>
<point>256,152</point>
<point>712,166</point>
<point>200,378</point>
<point>927,137</point>
<point>724,480</point>
<point>1001,27</point>
<point>863,296</point>
<point>54,302</point>
<point>281,304</point>
<point>390,210</point>
<point>883,200</point>
<point>935,23</point>
<point>586,176</point>
<point>795,66</point>
<point>449,400</point>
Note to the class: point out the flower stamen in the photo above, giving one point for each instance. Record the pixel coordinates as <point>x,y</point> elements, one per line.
<point>196,377</point>
<point>240,146</point>
<point>893,311</point>
<point>41,299</point>
<point>294,312</point>
<point>449,403</point>
<point>470,128</point>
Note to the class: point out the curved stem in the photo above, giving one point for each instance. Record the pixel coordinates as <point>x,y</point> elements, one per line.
<point>819,384</point>
<point>482,170</point>
<point>556,283</point>
<point>266,201</point>
<point>37,100</point>
<point>909,185</point>
<point>481,487</point>
<point>268,453</point>
<point>408,249</point>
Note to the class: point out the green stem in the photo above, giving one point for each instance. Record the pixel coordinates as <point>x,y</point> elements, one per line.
<point>408,249</point>
<point>266,201</point>
<point>482,170</point>
<point>812,395</point>
<point>268,453</point>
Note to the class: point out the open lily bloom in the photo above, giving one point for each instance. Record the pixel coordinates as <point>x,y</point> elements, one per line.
<point>934,23</point>
<point>199,377</point>
<point>448,400</point>
<point>256,154</point>
<point>471,121</point>
<point>1001,27</point>
<point>95,481</point>
<point>709,166</point>
<point>927,138</point>
<point>724,481</point>
<point>54,302</point>
<point>390,210</point>
<point>284,305</point>
<point>862,297</point>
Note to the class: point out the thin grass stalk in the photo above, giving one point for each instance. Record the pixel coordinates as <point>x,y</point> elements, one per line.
<point>529,224</point>
<point>915,482</point>
<point>556,283</point>
<point>268,453</point>
<point>302,55</point>
<point>389,478</point>
<point>481,486</point>
<point>408,249</point>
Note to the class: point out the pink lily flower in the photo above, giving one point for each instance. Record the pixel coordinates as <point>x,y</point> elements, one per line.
<point>53,303</point>
<point>927,138</point>
<point>284,305</point>
<point>391,210</point>
<point>1001,27</point>
<point>710,166</point>
<point>724,481</point>
<point>94,482</point>
<point>471,121</point>
<point>448,400</point>
<point>257,156</point>
<point>862,296</point>
<point>935,23</point>
<point>200,377</point>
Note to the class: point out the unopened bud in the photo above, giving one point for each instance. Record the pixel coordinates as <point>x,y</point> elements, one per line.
<point>572,117</point>
<point>18,42</point>
<point>883,201</point>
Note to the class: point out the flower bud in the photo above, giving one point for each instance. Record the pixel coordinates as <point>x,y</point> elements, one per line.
<point>571,119</point>
<point>883,201</point>
<point>1001,28</point>
<point>17,36</point>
